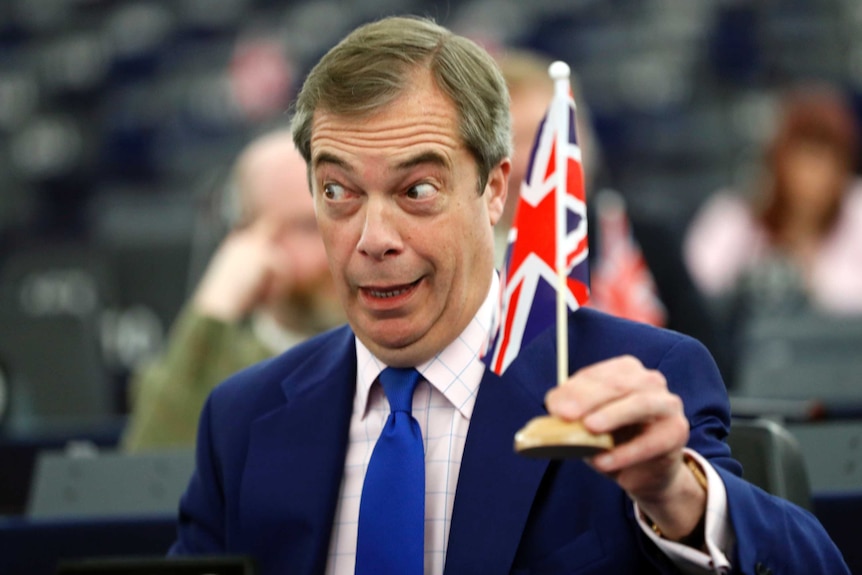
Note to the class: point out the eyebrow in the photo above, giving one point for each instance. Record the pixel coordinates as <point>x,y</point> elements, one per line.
<point>327,158</point>
<point>422,158</point>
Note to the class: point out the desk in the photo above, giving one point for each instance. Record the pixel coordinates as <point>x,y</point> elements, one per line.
<point>34,547</point>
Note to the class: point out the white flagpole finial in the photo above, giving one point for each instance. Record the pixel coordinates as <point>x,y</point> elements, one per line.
<point>559,71</point>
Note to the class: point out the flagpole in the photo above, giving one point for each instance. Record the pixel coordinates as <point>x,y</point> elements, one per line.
<point>560,73</point>
<point>549,435</point>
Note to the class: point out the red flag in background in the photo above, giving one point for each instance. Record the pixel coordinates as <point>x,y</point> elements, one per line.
<point>621,282</point>
<point>548,240</point>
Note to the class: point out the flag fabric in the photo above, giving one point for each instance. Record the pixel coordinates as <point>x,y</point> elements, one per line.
<point>552,197</point>
<point>620,282</point>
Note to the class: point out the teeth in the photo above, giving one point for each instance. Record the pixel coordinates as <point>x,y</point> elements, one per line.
<point>386,294</point>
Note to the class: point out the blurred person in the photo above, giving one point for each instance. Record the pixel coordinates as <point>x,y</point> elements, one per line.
<point>266,288</point>
<point>385,446</point>
<point>636,266</point>
<point>796,242</point>
<point>530,93</point>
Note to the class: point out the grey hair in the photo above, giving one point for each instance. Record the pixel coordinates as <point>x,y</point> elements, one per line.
<point>370,68</point>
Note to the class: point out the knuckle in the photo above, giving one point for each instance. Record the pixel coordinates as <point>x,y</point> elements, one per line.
<point>681,424</point>
<point>629,361</point>
<point>617,384</point>
<point>675,403</point>
<point>655,378</point>
<point>682,427</point>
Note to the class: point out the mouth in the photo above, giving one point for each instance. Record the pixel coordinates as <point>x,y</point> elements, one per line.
<point>389,293</point>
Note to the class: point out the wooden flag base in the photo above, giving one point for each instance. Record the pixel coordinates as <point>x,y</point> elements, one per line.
<point>552,438</point>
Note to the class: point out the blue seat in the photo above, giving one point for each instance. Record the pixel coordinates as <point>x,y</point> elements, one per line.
<point>203,565</point>
<point>36,547</point>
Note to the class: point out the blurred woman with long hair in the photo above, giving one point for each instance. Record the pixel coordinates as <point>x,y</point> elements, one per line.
<point>797,242</point>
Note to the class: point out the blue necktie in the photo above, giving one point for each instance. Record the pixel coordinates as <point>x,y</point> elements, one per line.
<point>391,539</point>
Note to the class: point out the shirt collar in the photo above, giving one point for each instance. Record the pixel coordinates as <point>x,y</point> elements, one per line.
<point>455,372</point>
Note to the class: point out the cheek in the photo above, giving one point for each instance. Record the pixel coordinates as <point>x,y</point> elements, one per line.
<point>336,253</point>
<point>456,250</point>
<point>329,233</point>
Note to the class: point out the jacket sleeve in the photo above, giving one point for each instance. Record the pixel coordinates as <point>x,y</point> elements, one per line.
<point>776,536</point>
<point>167,395</point>
<point>772,535</point>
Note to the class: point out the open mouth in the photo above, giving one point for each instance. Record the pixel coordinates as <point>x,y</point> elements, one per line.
<point>391,291</point>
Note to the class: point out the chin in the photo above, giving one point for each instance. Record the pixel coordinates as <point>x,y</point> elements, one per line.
<point>391,340</point>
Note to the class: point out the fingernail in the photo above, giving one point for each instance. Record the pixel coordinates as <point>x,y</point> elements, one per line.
<point>568,407</point>
<point>605,460</point>
<point>595,422</point>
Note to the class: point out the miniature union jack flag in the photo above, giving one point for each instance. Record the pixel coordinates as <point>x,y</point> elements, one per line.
<point>620,282</point>
<point>548,240</point>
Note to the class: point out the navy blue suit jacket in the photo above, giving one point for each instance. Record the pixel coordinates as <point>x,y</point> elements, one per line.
<point>273,438</point>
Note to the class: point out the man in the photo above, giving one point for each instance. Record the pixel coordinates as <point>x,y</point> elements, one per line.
<point>405,127</point>
<point>266,288</point>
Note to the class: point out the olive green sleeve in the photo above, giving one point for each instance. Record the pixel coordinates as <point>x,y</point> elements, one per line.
<point>167,394</point>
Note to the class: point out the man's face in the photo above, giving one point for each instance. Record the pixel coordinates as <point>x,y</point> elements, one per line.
<point>300,291</point>
<point>408,236</point>
<point>528,107</point>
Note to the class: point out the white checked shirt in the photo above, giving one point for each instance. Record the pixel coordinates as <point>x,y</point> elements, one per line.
<point>443,404</point>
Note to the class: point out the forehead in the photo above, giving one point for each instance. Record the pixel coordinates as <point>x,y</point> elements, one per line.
<point>421,116</point>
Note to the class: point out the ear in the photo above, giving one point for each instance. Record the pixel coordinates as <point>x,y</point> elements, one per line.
<point>495,189</point>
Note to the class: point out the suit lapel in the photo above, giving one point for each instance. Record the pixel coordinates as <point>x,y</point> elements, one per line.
<point>296,460</point>
<point>496,486</point>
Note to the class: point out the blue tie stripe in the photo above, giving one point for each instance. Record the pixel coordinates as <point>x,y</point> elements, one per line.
<point>391,538</point>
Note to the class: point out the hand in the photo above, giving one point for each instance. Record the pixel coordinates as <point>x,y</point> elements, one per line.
<point>622,397</point>
<point>239,274</point>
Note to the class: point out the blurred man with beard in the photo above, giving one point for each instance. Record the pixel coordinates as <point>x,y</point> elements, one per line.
<point>266,288</point>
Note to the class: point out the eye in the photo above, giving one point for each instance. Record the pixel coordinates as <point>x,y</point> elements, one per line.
<point>334,192</point>
<point>421,191</point>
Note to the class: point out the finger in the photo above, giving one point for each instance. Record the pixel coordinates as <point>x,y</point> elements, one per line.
<point>590,389</point>
<point>660,439</point>
<point>283,270</point>
<point>640,407</point>
<point>571,400</point>
<point>611,366</point>
<point>264,227</point>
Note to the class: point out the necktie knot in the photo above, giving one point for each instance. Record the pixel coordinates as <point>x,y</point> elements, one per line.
<point>398,384</point>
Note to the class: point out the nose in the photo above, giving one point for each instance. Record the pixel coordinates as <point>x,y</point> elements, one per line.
<point>380,238</point>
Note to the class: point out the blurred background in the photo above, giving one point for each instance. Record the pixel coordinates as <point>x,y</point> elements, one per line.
<point>119,120</point>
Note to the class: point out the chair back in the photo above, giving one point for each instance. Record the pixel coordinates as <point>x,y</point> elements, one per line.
<point>833,454</point>
<point>54,372</point>
<point>109,484</point>
<point>806,356</point>
<point>771,458</point>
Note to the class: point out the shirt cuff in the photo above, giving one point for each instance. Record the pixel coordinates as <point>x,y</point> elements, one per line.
<point>719,536</point>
